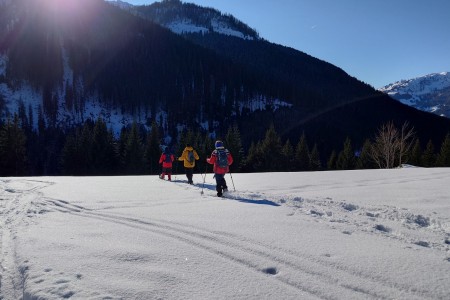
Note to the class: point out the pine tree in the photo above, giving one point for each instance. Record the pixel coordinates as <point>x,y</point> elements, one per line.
<point>415,154</point>
<point>271,150</point>
<point>152,149</point>
<point>444,155</point>
<point>288,157</point>
<point>86,142</point>
<point>346,158</point>
<point>103,150</point>
<point>71,155</point>
<point>254,160</point>
<point>12,149</point>
<point>331,164</point>
<point>314,159</point>
<point>429,156</point>
<point>302,154</point>
<point>364,160</point>
<point>134,152</point>
<point>233,143</point>
<point>205,150</point>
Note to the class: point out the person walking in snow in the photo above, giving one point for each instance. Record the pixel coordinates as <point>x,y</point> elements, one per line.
<point>221,159</point>
<point>189,156</point>
<point>166,160</point>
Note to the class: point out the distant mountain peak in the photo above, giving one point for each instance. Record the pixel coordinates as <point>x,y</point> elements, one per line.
<point>429,93</point>
<point>121,4</point>
<point>183,18</point>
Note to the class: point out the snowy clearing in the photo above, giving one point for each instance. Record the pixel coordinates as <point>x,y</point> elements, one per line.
<point>371,234</point>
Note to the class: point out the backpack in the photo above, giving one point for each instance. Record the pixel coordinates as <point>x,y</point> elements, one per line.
<point>222,158</point>
<point>190,156</point>
<point>168,158</point>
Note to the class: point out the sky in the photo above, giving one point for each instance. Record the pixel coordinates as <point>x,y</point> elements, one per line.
<point>365,234</point>
<point>378,42</point>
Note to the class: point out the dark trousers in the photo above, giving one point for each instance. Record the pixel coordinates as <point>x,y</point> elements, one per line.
<point>189,174</point>
<point>221,184</point>
<point>166,171</point>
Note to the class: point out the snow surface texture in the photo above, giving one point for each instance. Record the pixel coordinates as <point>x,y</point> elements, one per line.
<point>371,234</point>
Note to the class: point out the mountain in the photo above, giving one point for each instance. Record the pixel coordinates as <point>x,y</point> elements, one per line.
<point>318,91</point>
<point>428,93</point>
<point>65,63</point>
<point>185,18</point>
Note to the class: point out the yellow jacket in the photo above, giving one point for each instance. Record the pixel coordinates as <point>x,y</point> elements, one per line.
<point>184,157</point>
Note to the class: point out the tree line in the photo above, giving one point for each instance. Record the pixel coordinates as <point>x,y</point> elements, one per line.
<point>93,149</point>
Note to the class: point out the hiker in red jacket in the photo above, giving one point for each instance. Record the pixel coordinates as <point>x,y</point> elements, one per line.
<point>221,159</point>
<point>166,160</point>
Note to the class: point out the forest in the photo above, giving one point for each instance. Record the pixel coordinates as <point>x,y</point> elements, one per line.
<point>93,149</point>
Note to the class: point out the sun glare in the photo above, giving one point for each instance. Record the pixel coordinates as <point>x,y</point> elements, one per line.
<point>64,7</point>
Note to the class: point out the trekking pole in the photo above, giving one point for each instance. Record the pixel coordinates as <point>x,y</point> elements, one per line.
<point>176,167</point>
<point>232,181</point>
<point>204,178</point>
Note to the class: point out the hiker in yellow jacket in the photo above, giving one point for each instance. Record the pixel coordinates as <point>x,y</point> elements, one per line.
<point>189,156</point>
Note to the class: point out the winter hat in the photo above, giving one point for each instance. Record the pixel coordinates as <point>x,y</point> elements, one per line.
<point>218,144</point>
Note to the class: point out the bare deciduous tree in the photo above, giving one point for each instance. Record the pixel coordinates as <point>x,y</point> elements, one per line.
<point>391,145</point>
<point>406,141</point>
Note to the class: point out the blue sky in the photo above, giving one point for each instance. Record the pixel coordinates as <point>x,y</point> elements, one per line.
<point>376,41</point>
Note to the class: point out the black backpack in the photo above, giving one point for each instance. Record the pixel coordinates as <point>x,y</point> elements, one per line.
<point>222,158</point>
<point>168,158</point>
<point>190,156</point>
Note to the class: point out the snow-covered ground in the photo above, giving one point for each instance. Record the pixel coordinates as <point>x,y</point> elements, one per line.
<point>371,234</point>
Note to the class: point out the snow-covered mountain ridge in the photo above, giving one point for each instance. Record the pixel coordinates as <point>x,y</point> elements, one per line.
<point>428,93</point>
<point>182,18</point>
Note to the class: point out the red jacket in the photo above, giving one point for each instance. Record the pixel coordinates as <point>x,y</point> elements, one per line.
<point>213,161</point>
<point>162,160</point>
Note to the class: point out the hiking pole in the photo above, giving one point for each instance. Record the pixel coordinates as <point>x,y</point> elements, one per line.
<point>232,181</point>
<point>204,178</point>
<point>176,168</point>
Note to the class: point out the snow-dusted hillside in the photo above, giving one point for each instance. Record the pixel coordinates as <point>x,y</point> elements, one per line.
<point>31,99</point>
<point>184,18</point>
<point>429,93</point>
<point>367,234</point>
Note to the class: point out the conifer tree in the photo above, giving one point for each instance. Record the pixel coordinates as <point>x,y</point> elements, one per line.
<point>415,154</point>
<point>233,143</point>
<point>71,155</point>
<point>12,149</point>
<point>271,150</point>
<point>444,154</point>
<point>103,149</point>
<point>331,163</point>
<point>254,159</point>
<point>153,149</point>
<point>205,150</point>
<point>302,154</point>
<point>87,153</point>
<point>429,156</point>
<point>288,156</point>
<point>346,158</point>
<point>314,159</point>
<point>134,152</point>
<point>364,160</point>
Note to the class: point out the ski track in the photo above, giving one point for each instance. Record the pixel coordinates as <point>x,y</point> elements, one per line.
<point>15,202</point>
<point>262,259</point>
